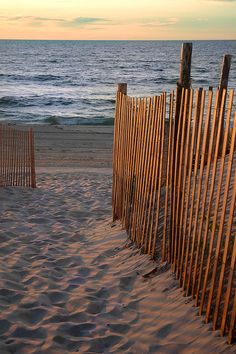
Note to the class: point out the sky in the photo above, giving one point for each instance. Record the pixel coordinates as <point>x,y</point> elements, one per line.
<point>118,19</point>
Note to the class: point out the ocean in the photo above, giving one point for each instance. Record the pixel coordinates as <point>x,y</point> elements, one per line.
<point>74,82</point>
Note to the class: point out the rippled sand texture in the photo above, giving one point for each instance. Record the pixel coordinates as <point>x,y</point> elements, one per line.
<point>70,281</point>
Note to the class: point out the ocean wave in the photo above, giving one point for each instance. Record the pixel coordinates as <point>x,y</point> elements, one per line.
<point>61,80</point>
<point>65,83</point>
<point>47,77</point>
<point>58,101</point>
<point>59,120</point>
<point>12,101</point>
<point>53,61</point>
<point>39,101</point>
<point>52,120</point>
<point>97,101</point>
<point>35,78</point>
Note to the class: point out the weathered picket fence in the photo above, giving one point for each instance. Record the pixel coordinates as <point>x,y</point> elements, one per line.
<point>174,190</point>
<point>17,162</point>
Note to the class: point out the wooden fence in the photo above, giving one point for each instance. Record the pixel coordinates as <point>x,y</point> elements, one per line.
<point>17,163</point>
<point>174,190</point>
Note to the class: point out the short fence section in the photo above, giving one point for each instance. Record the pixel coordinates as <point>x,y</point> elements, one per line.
<point>17,162</point>
<point>174,190</point>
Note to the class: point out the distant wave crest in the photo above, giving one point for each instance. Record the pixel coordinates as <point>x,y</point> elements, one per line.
<point>39,101</point>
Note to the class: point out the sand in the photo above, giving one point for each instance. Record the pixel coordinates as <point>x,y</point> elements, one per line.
<point>73,147</point>
<point>71,281</point>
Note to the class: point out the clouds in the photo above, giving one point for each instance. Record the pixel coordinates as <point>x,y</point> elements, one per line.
<point>27,18</point>
<point>89,22</point>
<point>210,19</point>
<point>83,21</point>
<point>41,21</point>
<point>158,23</point>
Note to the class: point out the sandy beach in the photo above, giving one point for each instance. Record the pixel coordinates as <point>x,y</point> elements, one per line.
<point>73,147</point>
<point>71,281</point>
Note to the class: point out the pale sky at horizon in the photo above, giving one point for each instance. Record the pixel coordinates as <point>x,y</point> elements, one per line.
<point>123,19</point>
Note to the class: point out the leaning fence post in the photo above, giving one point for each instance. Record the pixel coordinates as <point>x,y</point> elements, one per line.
<point>225,72</point>
<point>185,66</point>
<point>185,77</point>
<point>183,83</point>
<point>223,84</point>
<point>121,89</point>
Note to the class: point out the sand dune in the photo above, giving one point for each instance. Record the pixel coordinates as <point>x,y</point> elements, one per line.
<point>71,282</point>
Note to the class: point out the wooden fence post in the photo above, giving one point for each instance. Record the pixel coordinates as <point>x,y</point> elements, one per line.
<point>121,89</point>
<point>183,83</point>
<point>225,72</point>
<point>185,78</point>
<point>223,84</point>
<point>185,66</point>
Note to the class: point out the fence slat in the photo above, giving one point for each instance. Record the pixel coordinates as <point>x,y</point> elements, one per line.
<point>152,151</point>
<point>204,200</point>
<point>163,117</point>
<point>179,171</point>
<point>228,237</point>
<point>208,257</point>
<point>187,225</point>
<point>168,179</point>
<point>182,209</point>
<point>196,235</point>
<point>199,143</point>
<point>153,189</point>
<point>225,198</point>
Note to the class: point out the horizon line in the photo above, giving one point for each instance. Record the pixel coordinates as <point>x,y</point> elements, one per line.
<point>115,40</point>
